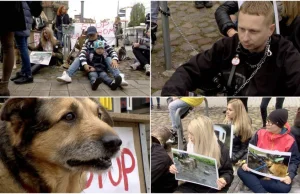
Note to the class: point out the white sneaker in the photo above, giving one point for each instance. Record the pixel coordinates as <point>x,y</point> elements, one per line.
<point>64,78</point>
<point>135,65</point>
<point>147,69</point>
<point>124,82</point>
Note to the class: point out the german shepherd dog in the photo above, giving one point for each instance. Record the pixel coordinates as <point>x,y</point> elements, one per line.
<point>49,144</point>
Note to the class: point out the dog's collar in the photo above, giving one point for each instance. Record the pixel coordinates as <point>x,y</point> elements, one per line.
<point>28,188</point>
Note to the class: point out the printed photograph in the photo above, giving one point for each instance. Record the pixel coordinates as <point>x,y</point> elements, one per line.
<point>42,58</point>
<point>273,164</point>
<point>225,135</point>
<point>195,168</point>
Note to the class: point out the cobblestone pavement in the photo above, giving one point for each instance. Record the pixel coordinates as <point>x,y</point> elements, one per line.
<point>200,28</point>
<point>45,83</point>
<point>160,117</point>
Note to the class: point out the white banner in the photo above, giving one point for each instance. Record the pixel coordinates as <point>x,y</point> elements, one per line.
<point>123,176</point>
<point>105,29</point>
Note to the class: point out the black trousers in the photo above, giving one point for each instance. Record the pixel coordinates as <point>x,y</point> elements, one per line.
<point>142,55</point>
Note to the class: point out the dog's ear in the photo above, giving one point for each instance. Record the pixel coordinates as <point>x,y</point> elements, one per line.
<point>106,117</point>
<point>21,107</point>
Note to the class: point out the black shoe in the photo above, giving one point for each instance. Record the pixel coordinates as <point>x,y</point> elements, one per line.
<point>116,83</point>
<point>24,80</point>
<point>17,76</point>
<point>96,83</point>
<point>199,4</point>
<point>208,4</point>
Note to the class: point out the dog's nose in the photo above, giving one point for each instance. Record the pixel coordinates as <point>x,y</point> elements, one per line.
<point>111,141</point>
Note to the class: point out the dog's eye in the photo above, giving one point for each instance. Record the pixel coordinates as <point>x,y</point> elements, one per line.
<point>99,115</point>
<point>69,116</point>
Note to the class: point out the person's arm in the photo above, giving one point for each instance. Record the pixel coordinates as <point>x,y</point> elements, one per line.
<point>291,61</point>
<point>294,161</point>
<point>226,170</point>
<point>82,54</point>
<point>111,53</point>
<point>57,50</point>
<point>222,16</point>
<point>200,70</point>
<point>241,153</point>
<point>67,19</point>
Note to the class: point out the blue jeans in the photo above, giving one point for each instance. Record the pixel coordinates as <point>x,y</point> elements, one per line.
<point>74,67</point>
<point>103,75</point>
<point>173,106</point>
<point>22,45</point>
<point>154,11</point>
<point>264,105</point>
<point>60,38</point>
<point>258,185</point>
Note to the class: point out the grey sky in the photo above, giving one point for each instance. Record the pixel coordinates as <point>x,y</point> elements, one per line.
<point>102,9</point>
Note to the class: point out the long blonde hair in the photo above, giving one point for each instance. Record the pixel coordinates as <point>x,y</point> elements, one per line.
<point>291,9</point>
<point>205,139</point>
<point>52,39</point>
<point>241,121</point>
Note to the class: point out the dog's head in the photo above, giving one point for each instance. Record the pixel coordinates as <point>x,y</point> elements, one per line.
<point>76,134</point>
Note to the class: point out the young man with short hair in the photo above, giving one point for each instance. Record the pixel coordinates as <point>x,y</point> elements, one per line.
<point>254,62</point>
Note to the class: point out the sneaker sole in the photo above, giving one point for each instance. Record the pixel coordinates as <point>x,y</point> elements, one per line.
<point>96,84</point>
<point>62,80</point>
<point>124,84</point>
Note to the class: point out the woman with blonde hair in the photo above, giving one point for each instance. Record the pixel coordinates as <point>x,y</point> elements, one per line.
<point>48,43</point>
<point>203,140</point>
<point>237,116</point>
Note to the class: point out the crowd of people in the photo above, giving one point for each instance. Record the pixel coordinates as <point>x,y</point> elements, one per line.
<point>275,135</point>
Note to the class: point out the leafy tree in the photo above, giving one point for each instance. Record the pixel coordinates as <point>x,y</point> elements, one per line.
<point>137,15</point>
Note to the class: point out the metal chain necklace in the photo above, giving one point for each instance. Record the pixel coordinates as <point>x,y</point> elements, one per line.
<point>267,53</point>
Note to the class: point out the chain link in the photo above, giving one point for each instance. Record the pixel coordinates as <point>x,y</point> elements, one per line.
<point>182,34</point>
<point>258,67</point>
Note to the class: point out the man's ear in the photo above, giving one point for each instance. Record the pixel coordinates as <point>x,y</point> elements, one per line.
<point>106,117</point>
<point>271,29</point>
<point>20,107</point>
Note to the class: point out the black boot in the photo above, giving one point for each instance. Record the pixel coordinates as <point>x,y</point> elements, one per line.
<point>96,83</point>
<point>24,80</point>
<point>17,76</point>
<point>116,83</point>
<point>208,4</point>
<point>199,4</point>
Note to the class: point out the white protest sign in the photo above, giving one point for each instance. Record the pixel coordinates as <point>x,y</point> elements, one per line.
<point>105,28</point>
<point>123,176</point>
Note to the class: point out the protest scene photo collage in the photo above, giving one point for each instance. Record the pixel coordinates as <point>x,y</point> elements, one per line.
<point>144,96</point>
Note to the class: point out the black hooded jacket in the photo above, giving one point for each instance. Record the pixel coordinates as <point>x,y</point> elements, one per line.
<point>279,75</point>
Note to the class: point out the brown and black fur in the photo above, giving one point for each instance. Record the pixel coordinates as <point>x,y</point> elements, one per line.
<point>48,144</point>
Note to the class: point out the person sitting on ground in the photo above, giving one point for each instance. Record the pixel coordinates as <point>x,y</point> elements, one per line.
<point>203,140</point>
<point>254,62</point>
<point>288,16</point>
<point>48,43</point>
<point>295,130</point>
<point>275,137</point>
<point>88,46</point>
<point>184,104</point>
<point>96,68</point>
<point>141,51</point>
<point>237,116</point>
<point>162,181</point>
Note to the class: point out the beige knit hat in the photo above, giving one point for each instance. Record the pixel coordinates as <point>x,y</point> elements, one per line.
<point>161,133</point>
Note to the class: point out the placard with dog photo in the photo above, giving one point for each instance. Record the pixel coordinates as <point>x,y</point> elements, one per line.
<point>195,168</point>
<point>38,57</point>
<point>272,164</point>
<point>225,134</point>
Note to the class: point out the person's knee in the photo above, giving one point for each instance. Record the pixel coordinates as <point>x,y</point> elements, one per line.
<point>240,172</point>
<point>284,188</point>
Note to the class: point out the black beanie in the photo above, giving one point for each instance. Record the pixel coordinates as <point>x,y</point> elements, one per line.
<point>279,117</point>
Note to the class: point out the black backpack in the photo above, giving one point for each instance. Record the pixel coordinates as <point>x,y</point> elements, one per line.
<point>38,23</point>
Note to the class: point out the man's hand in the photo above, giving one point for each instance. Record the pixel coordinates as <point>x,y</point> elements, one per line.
<point>136,45</point>
<point>231,32</point>
<point>88,68</point>
<point>114,64</point>
<point>173,169</point>
<point>221,182</point>
<point>287,180</point>
<point>245,167</point>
